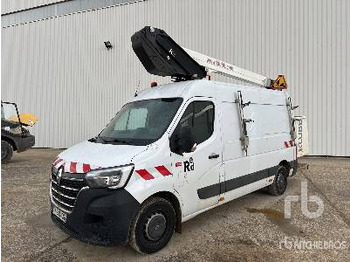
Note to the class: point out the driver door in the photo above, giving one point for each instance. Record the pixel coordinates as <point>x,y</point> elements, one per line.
<point>198,172</point>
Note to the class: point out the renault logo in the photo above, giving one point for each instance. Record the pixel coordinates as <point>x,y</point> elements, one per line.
<point>59,176</point>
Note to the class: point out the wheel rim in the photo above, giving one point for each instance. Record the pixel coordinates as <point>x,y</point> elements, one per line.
<point>281,182</point>
<point>155,226</point>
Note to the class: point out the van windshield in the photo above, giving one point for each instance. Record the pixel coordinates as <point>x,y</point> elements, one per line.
<point>140,122</point>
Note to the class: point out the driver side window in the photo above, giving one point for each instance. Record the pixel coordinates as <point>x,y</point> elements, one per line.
<point>197,119</point>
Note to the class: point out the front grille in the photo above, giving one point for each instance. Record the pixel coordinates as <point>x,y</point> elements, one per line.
<point>66,191</point>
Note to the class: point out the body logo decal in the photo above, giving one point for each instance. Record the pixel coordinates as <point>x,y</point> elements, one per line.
<point>189,165</point>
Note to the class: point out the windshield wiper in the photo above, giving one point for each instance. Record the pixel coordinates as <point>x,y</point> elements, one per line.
<point>104,140</point>
<point>119,141</point>
<point>94,139</point>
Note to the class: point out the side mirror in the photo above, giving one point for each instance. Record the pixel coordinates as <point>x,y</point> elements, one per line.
<point>182,141</point>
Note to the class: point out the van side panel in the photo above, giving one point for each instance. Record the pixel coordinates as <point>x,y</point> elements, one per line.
<point>231,132</point>
<point>245,174</point>
<point>253,172</point>
<point>269,130</point>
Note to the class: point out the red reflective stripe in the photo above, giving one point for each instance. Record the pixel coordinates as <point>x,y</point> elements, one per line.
<point>285,144</point>
<point>177,164</point>
<point>60,163</point>
<point>57,161</point>
<point>86,168</point>
<point>291,143</point>
<point>163,170</point>
<point>144,174</point>
<point>73,167</point>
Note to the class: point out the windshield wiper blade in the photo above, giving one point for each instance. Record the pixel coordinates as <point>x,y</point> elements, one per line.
<point>105,140</point>
<point>119,141</point>
<point>94,139</point>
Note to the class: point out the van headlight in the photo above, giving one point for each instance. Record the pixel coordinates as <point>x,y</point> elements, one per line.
<point>115,177</point>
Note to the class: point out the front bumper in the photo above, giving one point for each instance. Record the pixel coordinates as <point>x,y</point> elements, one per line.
<point>100,216</point>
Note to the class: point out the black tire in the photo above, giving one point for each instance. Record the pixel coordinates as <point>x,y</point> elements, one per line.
<point>6,151</point>
<point>153,226</point>
<point>279,185</point>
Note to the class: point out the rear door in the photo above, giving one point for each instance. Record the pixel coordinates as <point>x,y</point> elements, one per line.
<point>198,180</point>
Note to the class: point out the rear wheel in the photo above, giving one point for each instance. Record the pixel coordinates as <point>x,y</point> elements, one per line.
<point>6,151</point>
<point>153,226</point>
<point>279,185</point>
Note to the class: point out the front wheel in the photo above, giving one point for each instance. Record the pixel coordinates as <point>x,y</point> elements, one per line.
<point>153,226</point>
<point>6,151</point>
<point>279,185</point>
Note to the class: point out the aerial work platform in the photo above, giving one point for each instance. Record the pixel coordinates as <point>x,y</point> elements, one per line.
<point>162,56</point>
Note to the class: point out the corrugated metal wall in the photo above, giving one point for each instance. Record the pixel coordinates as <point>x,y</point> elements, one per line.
<point>8,6</point>
<point>60,70</point>
<point>50,8</point>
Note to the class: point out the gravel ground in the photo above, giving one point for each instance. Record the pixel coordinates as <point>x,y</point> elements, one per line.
<point>252,228</point>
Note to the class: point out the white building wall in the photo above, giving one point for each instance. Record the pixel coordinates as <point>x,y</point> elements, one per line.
<point>9,6</point>
<point>60,70</point>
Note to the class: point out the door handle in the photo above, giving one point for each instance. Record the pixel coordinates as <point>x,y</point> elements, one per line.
<point>213,155</point>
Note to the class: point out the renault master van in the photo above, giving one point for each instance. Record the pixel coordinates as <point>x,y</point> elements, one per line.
<point>171,153</point>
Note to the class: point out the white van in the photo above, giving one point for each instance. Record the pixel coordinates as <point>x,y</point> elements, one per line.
<point>171,153</point>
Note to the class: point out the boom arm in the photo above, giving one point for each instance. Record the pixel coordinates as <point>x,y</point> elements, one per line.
<point>162,56</point>
<point>217,66</point>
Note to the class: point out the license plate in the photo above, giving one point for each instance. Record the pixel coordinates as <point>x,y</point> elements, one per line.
<point>59,213</point>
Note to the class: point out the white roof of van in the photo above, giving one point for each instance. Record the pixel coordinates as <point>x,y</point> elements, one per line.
<point>218,90</point>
